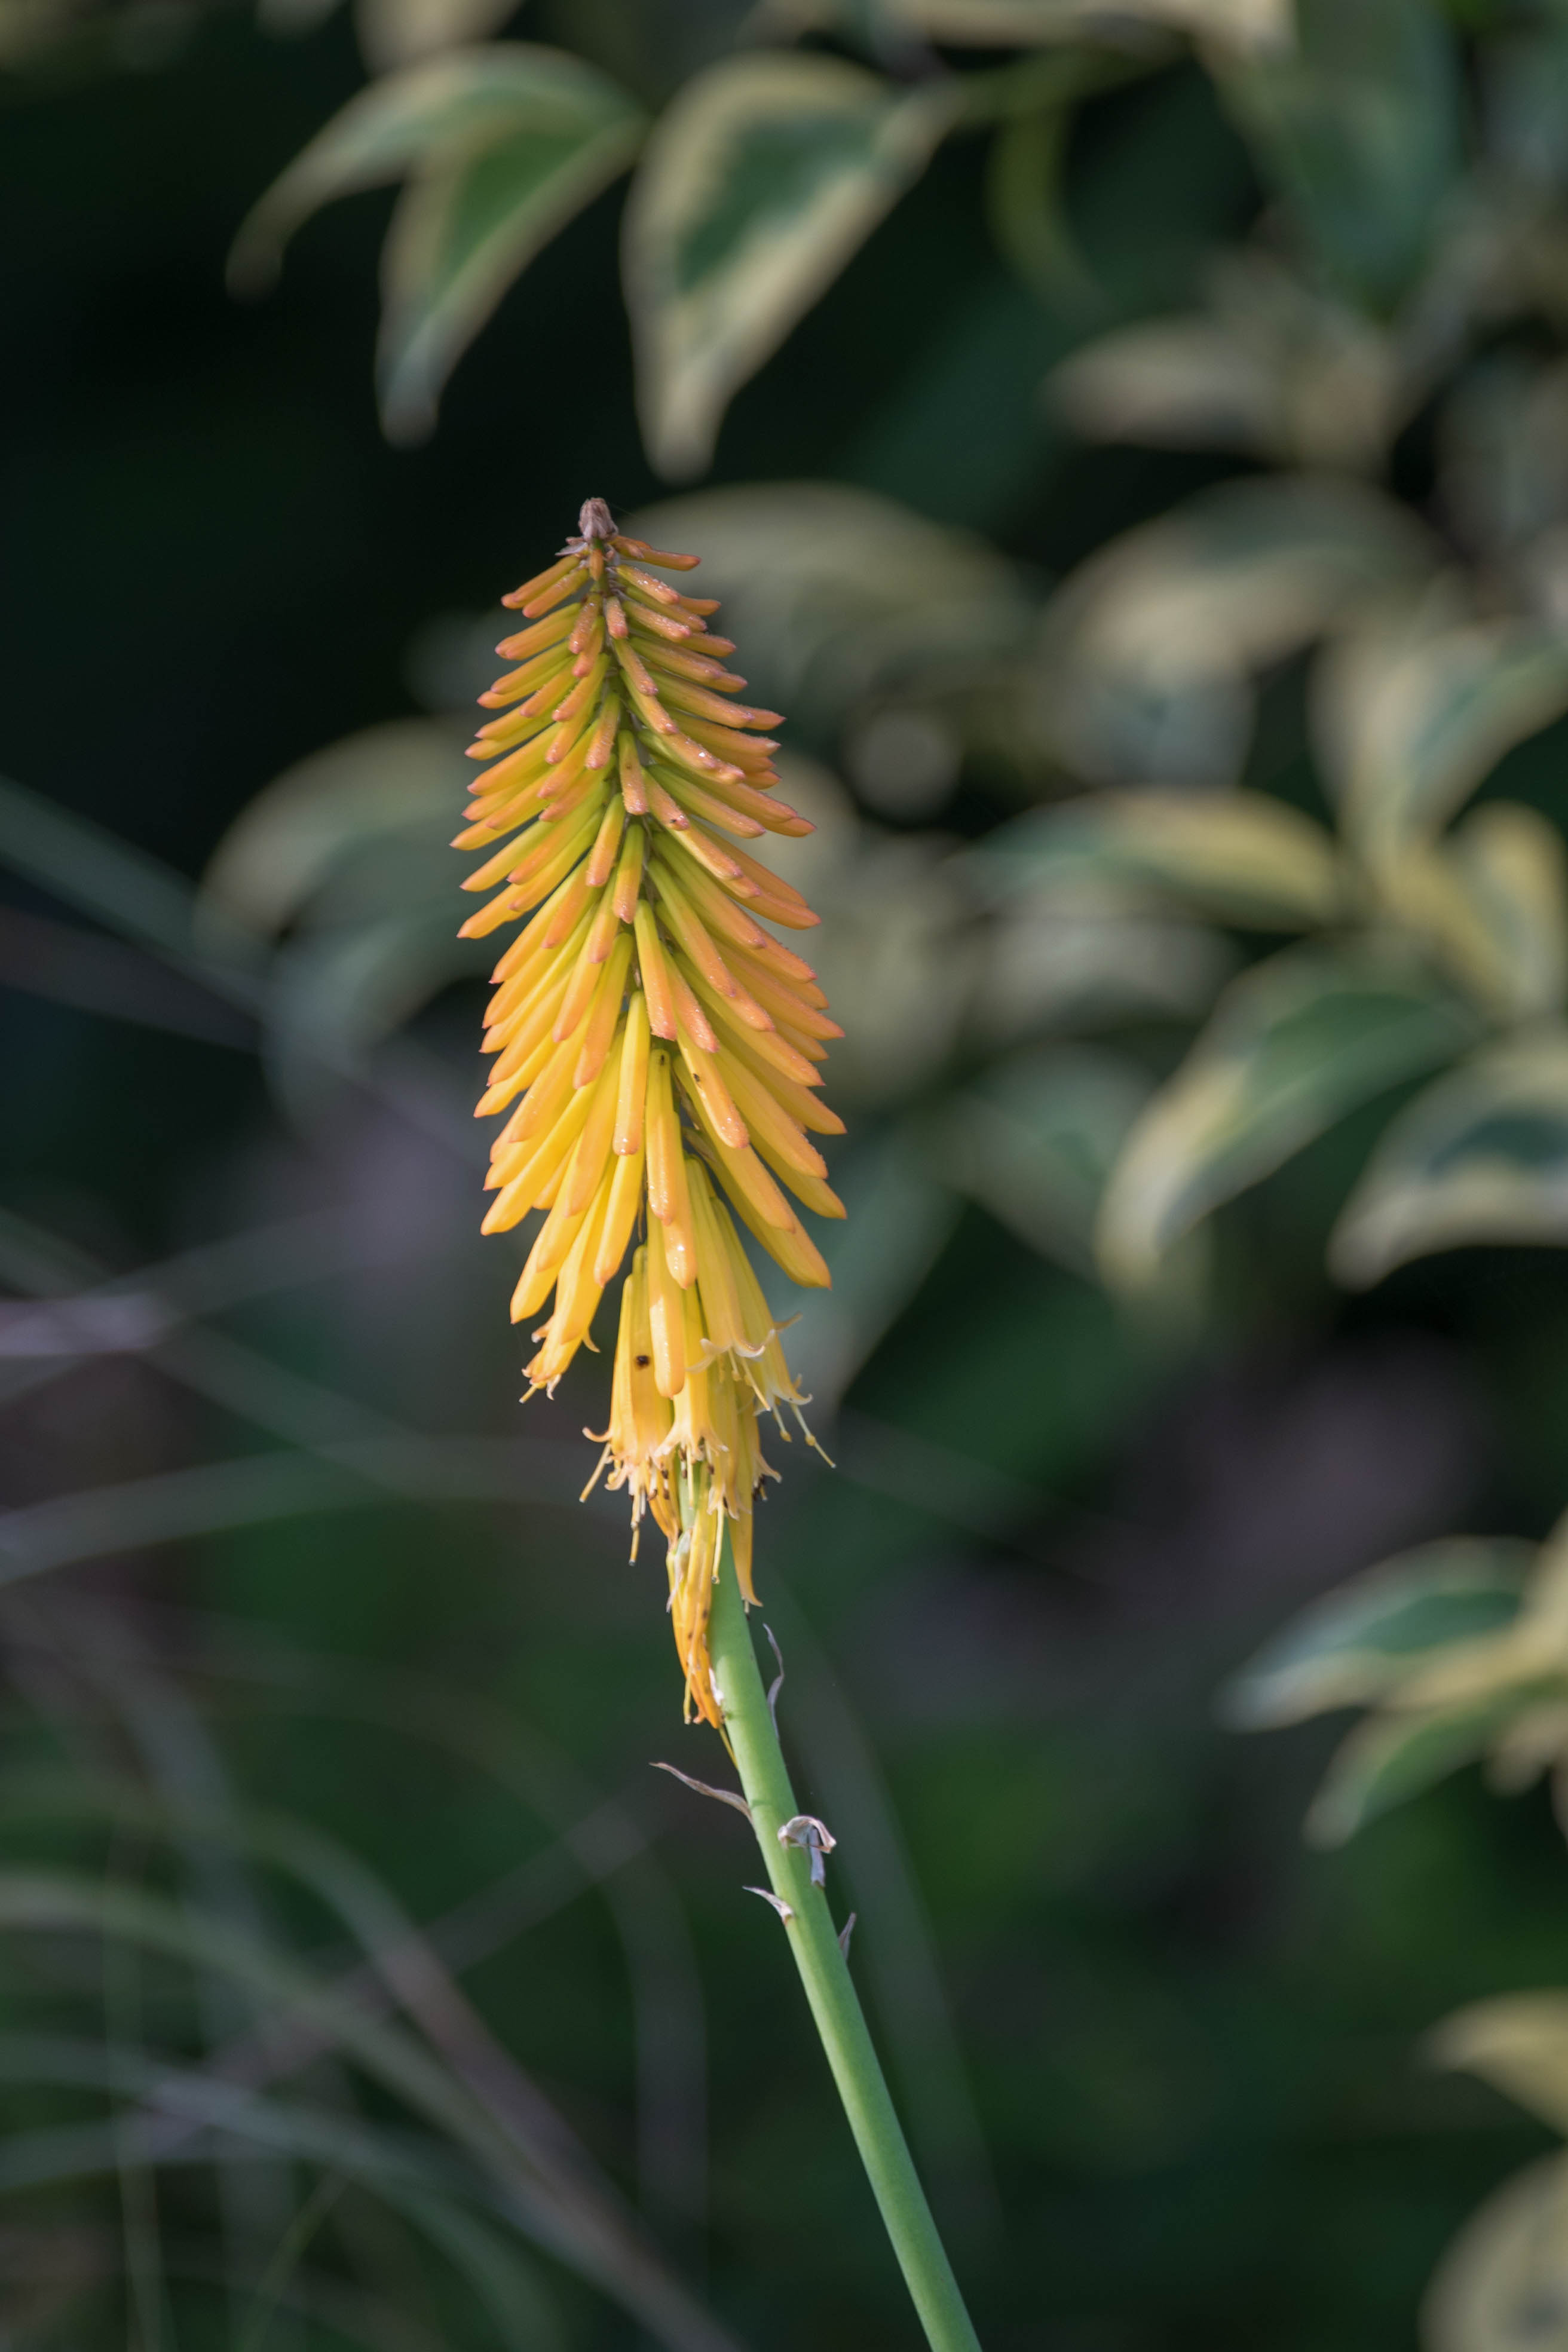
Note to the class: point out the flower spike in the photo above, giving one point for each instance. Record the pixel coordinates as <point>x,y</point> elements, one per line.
<point>656,1047</point>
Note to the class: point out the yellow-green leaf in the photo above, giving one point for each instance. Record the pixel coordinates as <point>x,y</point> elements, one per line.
<point>396,33</point>
<point>759,180</point>
<point>1359,1642</point>
<point>1518,2044</point>
<point>1481,1156</point>
<point>447,106</point>
<point>1492,901</point>
<point>1293,1045</point>
<point>1236,855</point>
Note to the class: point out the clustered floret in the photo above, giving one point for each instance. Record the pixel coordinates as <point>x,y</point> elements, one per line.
<point>660,1045</point>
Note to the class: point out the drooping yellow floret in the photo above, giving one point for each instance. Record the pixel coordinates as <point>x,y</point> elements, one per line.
<point>657,1047</point>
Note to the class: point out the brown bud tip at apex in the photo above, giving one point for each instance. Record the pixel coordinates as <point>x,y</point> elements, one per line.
<point>596,522</point>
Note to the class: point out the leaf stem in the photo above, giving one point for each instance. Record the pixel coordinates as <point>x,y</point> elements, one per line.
<point>825,1972</point>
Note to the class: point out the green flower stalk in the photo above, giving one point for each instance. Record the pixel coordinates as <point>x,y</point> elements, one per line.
<point>657,1050</point>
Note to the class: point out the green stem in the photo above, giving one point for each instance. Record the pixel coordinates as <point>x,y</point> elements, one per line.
<point>825,1972</point>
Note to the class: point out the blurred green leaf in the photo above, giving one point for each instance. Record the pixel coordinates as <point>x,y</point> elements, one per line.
<point>1503,450</point>
<point>1035,1140</point>
<point>1361,1640</point>
<point>394,33</point>
<point>1524,100</point>
<point>1502,2285</point>
<point>1357,124</point>
<point>1481,1156</point>
<point>1149,648</point>
<point>1232,855</point>
<point>1293,1045</point>
<point>1001,24</point>
<point>900,1215</point>
<point>759,181</point>
<point>323,815</point>
<point>1518,2044</point>
<point>441,113</point>
<point>1271,366</point>
<point>463,230</point>
<point>1396,1756</point>
<point>1410,720</point>
<point>1492,902</point>
<point>840,595</point>
<point>1097,961</point>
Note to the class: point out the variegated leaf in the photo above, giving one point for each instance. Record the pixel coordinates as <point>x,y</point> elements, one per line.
<point>446,108</point>
<point>1292,1045</point>
<point>1481,1157</point>
<point>1360,1641</point>
<point>1236,855</point>
<point>760,180</point>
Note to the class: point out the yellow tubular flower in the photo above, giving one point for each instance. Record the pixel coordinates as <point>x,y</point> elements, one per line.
<point>656,1046</point>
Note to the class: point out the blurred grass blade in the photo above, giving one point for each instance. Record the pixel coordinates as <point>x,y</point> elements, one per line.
<point>257,2205</point>
<point>600,1845</point>
<point>241,2129</point>
<point>760,180</point>
<point>70,965</point>
<point>201,2105</point>
<point>557,2212</point>
<point>447,106</point>
<point>1480,1156</point>
<point>1236,856</point>
<point>90,868</point>
<point>1293,1045</point>
<point>1361,1640</point>
<point>134,894</point>
<point>467,226</point>
<point>168,1506</point>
